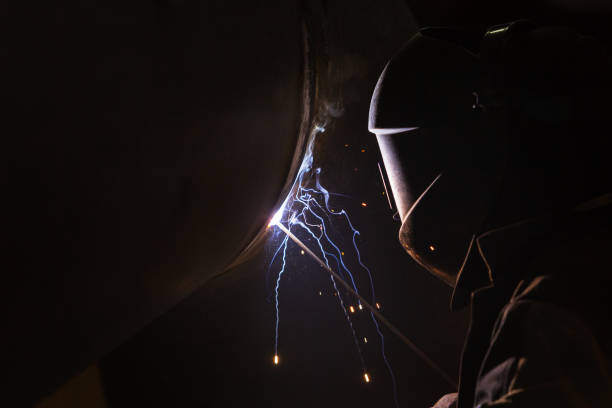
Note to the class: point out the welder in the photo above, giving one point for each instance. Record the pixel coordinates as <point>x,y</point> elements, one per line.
<point>497,149</point>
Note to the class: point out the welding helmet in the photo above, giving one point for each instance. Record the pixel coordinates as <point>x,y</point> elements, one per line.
<point>442,147</point>
<point>479,130</point>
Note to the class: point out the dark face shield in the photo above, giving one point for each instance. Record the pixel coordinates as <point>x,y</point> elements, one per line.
<point>442,154</point>
<point>408,173</point>
<point>441,179</point>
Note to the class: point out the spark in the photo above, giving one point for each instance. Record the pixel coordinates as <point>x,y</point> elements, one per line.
<point>276,289</point>
<point>320,293</point>
<point>432,248</point>
<point>365,339</point>
<point>387,363</point>
<point>304,168</point>
<point>301,206</point>
<point>333,276</point>
<point>362,150</point>
<point>376,315</point>
<point>304,210</point>
<point>276,359</point>
<point>307,209</point>
<point>366,377</point>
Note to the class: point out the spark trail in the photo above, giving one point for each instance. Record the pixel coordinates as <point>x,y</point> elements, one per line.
<point>308,208</point>
<point>276,288</point>
<point>372,309</point>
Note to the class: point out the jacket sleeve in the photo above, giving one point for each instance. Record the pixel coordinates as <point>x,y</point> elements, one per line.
<point>542,355</point>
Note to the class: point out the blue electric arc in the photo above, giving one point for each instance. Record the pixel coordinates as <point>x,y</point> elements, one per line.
<point>307,209</point>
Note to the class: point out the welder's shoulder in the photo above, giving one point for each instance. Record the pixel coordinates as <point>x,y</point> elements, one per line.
<point>543,353</point>
<point>447,401</point>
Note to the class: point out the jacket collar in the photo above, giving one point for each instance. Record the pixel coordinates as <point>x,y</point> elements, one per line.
<point>497,257</point>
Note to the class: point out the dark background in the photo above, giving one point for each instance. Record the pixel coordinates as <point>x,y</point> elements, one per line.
<point>216,348</point>
<point>189,338</point>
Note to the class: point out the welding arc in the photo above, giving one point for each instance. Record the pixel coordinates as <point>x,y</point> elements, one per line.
<point>372,309</point>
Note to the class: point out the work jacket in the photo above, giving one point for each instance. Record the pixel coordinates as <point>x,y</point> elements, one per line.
<point>540,331</point>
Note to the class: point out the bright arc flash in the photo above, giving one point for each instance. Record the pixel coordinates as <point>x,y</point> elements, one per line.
<point>366,377</point>
<point>277,217</point>
<point>304,167</point>
<point>276,359</point>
